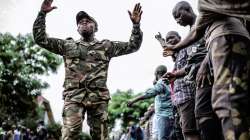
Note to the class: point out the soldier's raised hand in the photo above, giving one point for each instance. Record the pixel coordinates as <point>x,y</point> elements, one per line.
<point>46,6</point>
<point>135,16</point>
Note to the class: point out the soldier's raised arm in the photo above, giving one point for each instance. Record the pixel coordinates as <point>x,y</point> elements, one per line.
<point>121,48</point>
<point>39,31</point>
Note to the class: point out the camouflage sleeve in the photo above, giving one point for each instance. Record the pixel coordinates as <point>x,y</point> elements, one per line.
<point>121,48</point>
<point>39,33</point>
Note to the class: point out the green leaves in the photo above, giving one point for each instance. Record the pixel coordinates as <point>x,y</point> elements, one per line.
<point>21,62</point>
<point>118,107</point>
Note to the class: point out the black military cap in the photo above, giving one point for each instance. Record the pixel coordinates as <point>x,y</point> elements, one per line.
<point>82,14</point>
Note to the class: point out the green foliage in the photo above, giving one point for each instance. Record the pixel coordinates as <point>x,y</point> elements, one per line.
<point>85,136</point>
<point>118,107</point>
<point>54,130</point>
<point>30,121</point>
<point>21,62</point>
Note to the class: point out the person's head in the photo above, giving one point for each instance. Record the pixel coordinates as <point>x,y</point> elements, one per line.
<point>131,123</point>
<point>86,25</point>
<point>133,131</point>
<point>184,14</point>
<point>160,71</point>
<point>13,127</point>
<point>139,133</point>
<point>150,110</point>
<point>23,129</point>
<point>40,122</point>
<point>151,107</point>
<point>19,126</point>
<point>173,38</point>
<point>5,126</point>
<point>143,119</point>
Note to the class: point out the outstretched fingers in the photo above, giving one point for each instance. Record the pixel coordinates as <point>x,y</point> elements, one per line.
<point>48,2</point>
<point>46,6</point>
<point>136,7</point>
<point>130,14</point>
<point>140,13</point>
<point>139,7</point>
<point>135,15</point>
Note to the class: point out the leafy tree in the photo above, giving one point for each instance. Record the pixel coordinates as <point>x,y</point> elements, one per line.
<point>85,136</point>
<point>21,62</point>
<point>54,130</point>
<point>118,108</point>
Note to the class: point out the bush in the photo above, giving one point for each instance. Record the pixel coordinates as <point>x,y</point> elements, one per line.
<point>54,130</point>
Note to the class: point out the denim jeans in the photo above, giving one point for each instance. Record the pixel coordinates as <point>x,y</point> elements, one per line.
<point>164,127</point>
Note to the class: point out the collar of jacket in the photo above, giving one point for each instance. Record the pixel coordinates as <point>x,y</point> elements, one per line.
<point>87,43</point>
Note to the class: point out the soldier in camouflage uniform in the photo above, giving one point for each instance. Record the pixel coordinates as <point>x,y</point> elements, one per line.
<point>86,65</point>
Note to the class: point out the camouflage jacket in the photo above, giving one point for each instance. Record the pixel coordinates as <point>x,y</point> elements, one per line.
<point>86,63</point>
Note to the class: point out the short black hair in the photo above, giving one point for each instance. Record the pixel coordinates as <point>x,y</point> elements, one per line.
<point>173,33</point>
<point>182,5</point>
<point>160,70</point>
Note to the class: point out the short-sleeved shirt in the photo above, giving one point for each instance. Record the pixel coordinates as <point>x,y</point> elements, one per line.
<point>184,91</point>
<point>225,26</point>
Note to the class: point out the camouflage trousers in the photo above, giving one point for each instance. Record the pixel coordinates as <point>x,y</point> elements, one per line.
<point>73,116</point>
<point>230,59</point>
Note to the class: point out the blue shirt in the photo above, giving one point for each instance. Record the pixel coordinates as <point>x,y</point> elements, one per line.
<point>163,103</point>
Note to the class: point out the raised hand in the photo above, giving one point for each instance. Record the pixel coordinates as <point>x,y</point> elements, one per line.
<point>160,39</point>
<point>135,16</point>
<point>170,76</point>
<point>168,50</point>
<point>167,53</point>
<point>46,6</point>
<point>158,36</point>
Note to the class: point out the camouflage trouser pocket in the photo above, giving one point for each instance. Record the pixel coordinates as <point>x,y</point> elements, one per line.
<point>230,96</point>
<point>71,83</point>
<point>98,121</point>
<point>72,120</point>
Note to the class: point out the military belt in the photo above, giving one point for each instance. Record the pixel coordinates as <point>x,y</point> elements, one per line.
<point>91,104</point>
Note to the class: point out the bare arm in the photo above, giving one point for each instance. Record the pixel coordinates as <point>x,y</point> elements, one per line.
<point>171,76</point>
<point>136,99</point>
<point>158,88</point>
<point>180,73</point>
<point>193,36</point>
